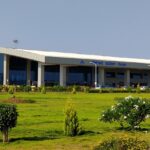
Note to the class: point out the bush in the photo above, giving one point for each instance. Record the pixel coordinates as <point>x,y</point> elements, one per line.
<point>43,90</point>
<point>72,127</point>
<point>27,88</point>
<point>138,90</point>
<point>33,88</point>
<point>5,88</point>
<point>123,143</point>
<point>94,90</point>
<point>8,119</point>
<point>128,111</point>
<point>74,90</point>
<point>86,89</point>
<point>11,89</point>
<point>129,89</point>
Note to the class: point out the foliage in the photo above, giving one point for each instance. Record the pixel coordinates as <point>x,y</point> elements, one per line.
<point>33,88</point>
<point>11,89</point>
<point>74,90</point>
<point>128,111</point>
<point>138,90</point>
<point>8,119</point>
<point>5,88</point>
<point>43,90</point>
<point>27,88</point>
<point>123,143</point>
<point>29,133</point>
<point>129,89</point>
<point>72,127</point>
<point>86,89</point>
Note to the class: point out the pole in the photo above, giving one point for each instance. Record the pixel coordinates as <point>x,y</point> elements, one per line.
<point>95,75</point>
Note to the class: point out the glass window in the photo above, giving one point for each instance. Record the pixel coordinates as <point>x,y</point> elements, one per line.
<point>110,74</point>
<point>79,75</point>
<point>136,76</point>
<point>17,70</point>
<point>1,68</point>
<point>51,75</point>
<point>120,75</point>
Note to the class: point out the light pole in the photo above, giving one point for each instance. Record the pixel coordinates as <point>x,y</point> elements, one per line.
<point>95,64</point>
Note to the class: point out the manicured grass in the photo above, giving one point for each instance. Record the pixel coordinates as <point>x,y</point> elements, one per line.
<point>40,124</point>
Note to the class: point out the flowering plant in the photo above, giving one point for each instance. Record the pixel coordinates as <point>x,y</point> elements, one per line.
<point>129,111</point>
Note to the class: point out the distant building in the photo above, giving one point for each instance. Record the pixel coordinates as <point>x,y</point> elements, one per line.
<point>21,67</point>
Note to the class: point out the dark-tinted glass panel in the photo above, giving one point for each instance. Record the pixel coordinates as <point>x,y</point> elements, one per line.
<point>17,70</point>
<point>34,66</point>
<point>1,68</point>
<point>51,75</point>
<point>110,74</point>
<point>136,76</point>
<point>120,75</point>
<point>79,76</point>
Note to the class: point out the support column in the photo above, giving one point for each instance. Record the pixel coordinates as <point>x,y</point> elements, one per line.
<point>62,75</point>
<point>127,78</point>
<point>40,74</point>
<point>6,70</point>
<point>148,79</point>
<point>101,73</point>
<point>28,72</point>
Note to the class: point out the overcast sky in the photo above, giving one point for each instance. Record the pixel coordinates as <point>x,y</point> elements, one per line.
<point>105,27</point>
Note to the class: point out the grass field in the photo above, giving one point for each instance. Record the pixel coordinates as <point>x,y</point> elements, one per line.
<point>40,124</point>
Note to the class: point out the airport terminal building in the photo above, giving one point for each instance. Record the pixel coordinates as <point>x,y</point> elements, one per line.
<point>32,67</point>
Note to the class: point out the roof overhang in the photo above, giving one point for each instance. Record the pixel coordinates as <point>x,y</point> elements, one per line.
<point>23,54</point>
<point>51,57</point>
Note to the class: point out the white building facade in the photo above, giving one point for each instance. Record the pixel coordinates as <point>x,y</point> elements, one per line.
<point>31,67</point>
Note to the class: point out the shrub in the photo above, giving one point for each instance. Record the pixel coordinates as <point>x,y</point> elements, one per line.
<point>8,119</point>
<point>74,90</point>
<point>27,88</point>
<point>58,88</point>
<point>43,90</point>
<point>72,127</point>
<point>138,90</point>
<point>123,143</point>
<point>11,89</point>
<point>33,88</point>
<point>94,90</point>
<point>129,110</point>
<point>86,89</point>
<point>5,88</point>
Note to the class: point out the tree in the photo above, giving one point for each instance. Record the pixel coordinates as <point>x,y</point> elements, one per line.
<point>130,111</point>
<point>8,119</point>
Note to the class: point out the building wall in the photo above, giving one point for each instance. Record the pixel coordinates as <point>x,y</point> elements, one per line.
<point>75,74</point>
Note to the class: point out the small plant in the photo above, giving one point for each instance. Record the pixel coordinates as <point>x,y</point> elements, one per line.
<point>43,90</point>
<point>72,127</point>
<point>33,88</point>
<point>8,119</point>
<point>138,90</point>
<point>27,88</point>
<point>129,89</point>
<point>86,89</point>
<point>123,143</point>
<point>11,90</point>
<point>74,91</point>
<point>128,111</point>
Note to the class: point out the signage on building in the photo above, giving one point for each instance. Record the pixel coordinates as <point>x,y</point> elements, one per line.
<point>107,63</point>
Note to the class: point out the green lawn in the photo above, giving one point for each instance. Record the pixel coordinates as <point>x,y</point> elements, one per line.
<point>40,124</point>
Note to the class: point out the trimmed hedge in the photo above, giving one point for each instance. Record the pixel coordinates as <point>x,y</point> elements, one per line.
<point>77,88</point>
